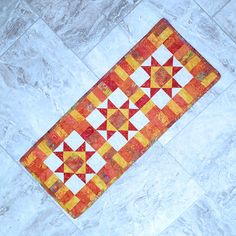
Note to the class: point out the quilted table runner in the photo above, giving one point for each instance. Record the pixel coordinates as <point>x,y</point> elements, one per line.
<point>115,122</point>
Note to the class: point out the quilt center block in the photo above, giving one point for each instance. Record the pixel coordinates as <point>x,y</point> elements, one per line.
<point>74,162</point>
<point>161,76</point>
<point>118,119</point>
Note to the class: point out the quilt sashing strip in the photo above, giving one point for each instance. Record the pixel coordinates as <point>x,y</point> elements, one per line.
<point>117,120</point>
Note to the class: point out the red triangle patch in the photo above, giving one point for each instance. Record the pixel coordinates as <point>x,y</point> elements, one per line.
<point>125,105</point>
<point>132,127</point>
<point>124,133</point>
<point>89,154</point>
<point>175,84</point>
<point>103,111</point>
<point>110,105</point>
<point>132,112</point>
<point>110,133</point>
<point>153,91</point>
<point>168,91</point>
<point>82,177</point>
<point>154,62</point>
<point>103,126</point>
<point>67,176</point>
<point>66,147</point>
<point>60,155</point>
<point>146,84</point>
<point>176,69</point>
<point>169,62</point>
<point>89,170</point>
<point>81,148</point>
<point>147,69</point>
<point>60,169</point>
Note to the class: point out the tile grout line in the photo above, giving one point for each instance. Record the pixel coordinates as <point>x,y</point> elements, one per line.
<point>205,193</point>
<point>33,9</point>
<point>220,8</point>
<point>225,32</point>
<point>117,24</point>
<point>191,177</point>
<point>167,150</point>
<point>82,58</point>
<point>169,153</point>
<point>71,50</point>
<point>106,71</point>
<point>193,203</point>
<point>217,97</point>
<point>213,19</point>
<point>26,30</point>
<point>41,17</point>
<point>17,162</point>
<point>58,37</point>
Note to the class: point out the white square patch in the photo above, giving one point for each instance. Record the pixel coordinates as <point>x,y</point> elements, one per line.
<point>53,162</point>
<point>74,140</point>
<point>117,141</point>
<point>95,118</point>
<point>74,184</point>
<point>183,77</point>
<point>118,98</point>
<point>161,98</point>
<point>140,76</point>
<point>139,120</point>
<point>162,55</point>
<point>96,162</point>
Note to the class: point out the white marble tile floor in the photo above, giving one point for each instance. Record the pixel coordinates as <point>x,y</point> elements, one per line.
<point>52,52</point>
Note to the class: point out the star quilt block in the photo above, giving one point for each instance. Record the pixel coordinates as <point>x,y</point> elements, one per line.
<point>115,122</point>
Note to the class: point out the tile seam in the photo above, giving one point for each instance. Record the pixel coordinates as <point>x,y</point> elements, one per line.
<point>204,191</point>
<point>41,188</point>
<point>213,20</point>
<point>106,35</point>
<point>26,30</point>
<point>220,8</point>
<point>216,97</point>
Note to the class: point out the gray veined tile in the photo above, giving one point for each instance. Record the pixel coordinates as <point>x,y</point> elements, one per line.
<point>38,5</point>
<point>144,200</point>
<point>40,79</point>
<point>195,110</point>
<point>206,148</point>
<point>25,209</point>
<point>82,24</point>
<point>191,22</point>
<point>202,104</point>
<point>212,6</point>
<point>108,52</point>
<point>204,218</point>
<point>15,18</point>
<point>226,19</point>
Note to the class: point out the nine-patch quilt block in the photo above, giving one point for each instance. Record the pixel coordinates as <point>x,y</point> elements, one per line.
<point>115,122</point>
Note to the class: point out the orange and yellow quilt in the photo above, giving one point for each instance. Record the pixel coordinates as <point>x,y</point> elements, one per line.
<point>115,122</point>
